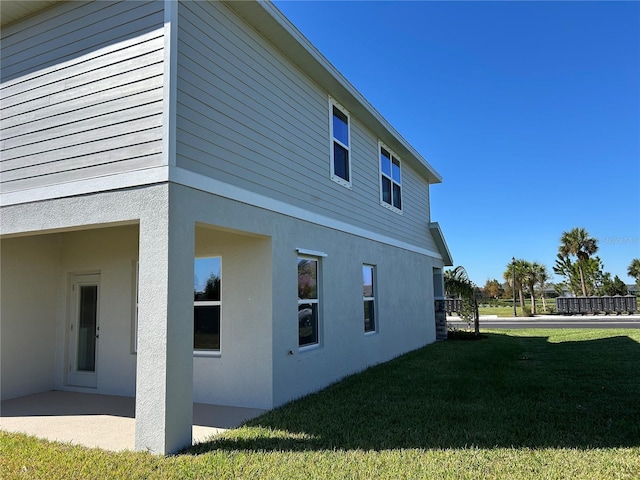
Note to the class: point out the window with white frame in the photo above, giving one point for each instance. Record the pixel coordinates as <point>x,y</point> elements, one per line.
<point>390,180</point>
<point>340,141</point>
<point>207,304</point>
<point>308,301</point>
<point>134,327</point>
<point>369,297</point>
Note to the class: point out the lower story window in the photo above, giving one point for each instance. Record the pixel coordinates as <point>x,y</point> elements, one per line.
<point>369,299</point>
<point>206,327</point>
<point>207,305</point>
<point>308,301</point>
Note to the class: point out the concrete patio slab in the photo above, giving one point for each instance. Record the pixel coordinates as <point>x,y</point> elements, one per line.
<point>103,421</point>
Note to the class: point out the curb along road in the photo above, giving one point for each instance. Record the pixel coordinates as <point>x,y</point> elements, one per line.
<point>553,321</point>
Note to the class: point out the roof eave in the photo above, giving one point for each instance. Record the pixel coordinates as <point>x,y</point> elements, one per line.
<point>12,11</point>
<point>443,249</point>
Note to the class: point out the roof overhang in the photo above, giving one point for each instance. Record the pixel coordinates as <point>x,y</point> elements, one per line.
<point>11,10</point>
<point>443,249</point>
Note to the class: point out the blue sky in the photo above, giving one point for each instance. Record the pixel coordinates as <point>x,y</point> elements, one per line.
<point>529,110</point>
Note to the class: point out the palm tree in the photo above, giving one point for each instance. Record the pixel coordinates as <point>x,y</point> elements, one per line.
<point>520,277</point>
<point>531,273</point>
<point>634,270</point>
<point>578,243</point>
<point>542,276</point>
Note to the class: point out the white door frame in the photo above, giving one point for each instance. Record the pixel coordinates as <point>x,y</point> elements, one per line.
<point>82,366</point>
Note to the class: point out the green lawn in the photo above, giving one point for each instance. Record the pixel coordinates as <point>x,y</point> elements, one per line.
<point>507,310</point>
<point>534,404</point>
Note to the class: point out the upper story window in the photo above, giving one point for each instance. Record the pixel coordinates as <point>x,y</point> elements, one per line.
<point>207,304</point>
<point>340,140</point>
<point>390,180</point>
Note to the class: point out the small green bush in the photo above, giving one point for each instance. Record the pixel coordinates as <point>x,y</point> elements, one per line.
<point>526,312</point>
<point>459,334</point>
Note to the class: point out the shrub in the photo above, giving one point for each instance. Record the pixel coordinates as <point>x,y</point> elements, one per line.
<point>526,312</point>
<point>459,334</point>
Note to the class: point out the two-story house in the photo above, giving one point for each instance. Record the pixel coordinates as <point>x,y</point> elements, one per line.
<point>196,206</point>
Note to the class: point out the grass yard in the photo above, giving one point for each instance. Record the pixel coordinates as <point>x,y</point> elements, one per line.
<point>499,311</point>
<point>507,311</point>
<point>522,404</point>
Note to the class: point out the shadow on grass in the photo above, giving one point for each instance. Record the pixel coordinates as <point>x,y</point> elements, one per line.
<point>505,391</point>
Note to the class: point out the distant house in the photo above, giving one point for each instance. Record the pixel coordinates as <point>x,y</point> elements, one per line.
<point>196,206</point>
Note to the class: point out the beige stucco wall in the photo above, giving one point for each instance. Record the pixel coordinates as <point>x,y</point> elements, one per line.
<point>28,308</point>
<point>112,253</point>
<point>36,278</point>
<point>259,321</point>
<point>241,374</point>
<point>405,304</point>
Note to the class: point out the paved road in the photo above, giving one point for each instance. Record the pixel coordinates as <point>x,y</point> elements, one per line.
<point>554,321</point>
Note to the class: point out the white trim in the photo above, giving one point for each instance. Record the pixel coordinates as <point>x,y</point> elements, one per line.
<point>313,301</point>
<point>73,376</point>
<point>336,178</point>
<point>306,348</point>
<point>104,183</point>
<point>209,352</point>
<point>134,316</point>
<point>170,82</point>
<point>207,303</point>
<point>313,253</point>
<point>217,187</point>
<point>201,182</point>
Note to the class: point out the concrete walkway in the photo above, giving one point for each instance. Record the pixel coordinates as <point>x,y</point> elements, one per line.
<point>103,421</point>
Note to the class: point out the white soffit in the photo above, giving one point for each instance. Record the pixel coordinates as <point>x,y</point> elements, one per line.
<point>14,10</point>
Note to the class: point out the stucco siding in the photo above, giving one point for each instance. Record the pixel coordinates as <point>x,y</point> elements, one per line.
<point>260,364</point>
<point>242,372</point>
<point>405,307</point>
<point>111,253</point>
<point>36,279</point>
<point>249,117</point>
<point>82,90</point>
<point>28,308</point>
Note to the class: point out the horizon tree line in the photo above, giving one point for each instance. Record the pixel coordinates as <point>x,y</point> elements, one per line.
<point>576,262</point>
